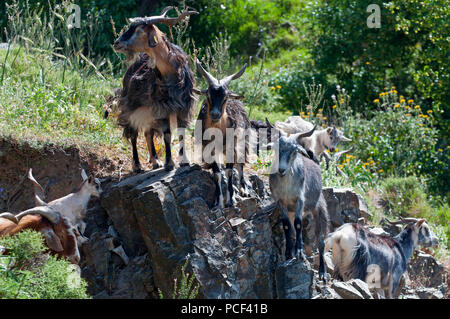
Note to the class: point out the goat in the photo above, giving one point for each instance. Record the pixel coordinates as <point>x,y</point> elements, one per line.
<point>359,253</point>
<point>59,234</point>
<point>157,87</point>
<point>297,186</point>
<point>223,110</point>
<point>321,140</point>
<point>72,206</point>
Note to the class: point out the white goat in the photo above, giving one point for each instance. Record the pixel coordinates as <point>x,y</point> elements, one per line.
<point>321,140</point>
<point>73,206</point>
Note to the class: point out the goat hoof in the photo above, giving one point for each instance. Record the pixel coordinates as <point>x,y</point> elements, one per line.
<point>155,163</point>
<point>184,164</point>
<point>300,253</point>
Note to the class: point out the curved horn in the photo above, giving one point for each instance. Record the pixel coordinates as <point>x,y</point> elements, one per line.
<point>307,134</point>
<point>226,81</point>
<point>10,217</point>
<point>211,80</point>
<point>162,18</point>
<point>39,192</point>
<point>45,211</point>
<point>345,139</point>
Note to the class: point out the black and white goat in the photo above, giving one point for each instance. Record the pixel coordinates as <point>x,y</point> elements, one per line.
<point>377,259</point>
<point>157,87</point>
<point>222,110</point>
<point>296,185</point>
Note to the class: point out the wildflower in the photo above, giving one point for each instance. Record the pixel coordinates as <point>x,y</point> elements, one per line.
<point>278,86</point>
<point>396,105</point>
<point>334,106</point>
<point>333,97</point>
<point>402,101</point>
<point>324,118</point>
<point>380,170</point>
<point>376,101</point>
<point>320,110</point>
<point>429,111</point>
<point>367,62</point>
<point>417,107</point>
<point>410,101</point>
<point>341,101</point>
<point>440,150</point>
<point>393,87</point>
<point>272,88</point>
<point>407,114</point>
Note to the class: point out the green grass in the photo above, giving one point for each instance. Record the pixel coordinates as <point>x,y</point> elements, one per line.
<point>44,100</point>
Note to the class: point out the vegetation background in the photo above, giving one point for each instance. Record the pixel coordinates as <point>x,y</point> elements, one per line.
<point>387,88</point>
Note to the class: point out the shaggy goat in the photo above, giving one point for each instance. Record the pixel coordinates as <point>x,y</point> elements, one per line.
<point>377,259</point>
<point>156,88</point>
<point>59,234</point>
<point>72,206</point>
<point>222,110</point>
<point>297,186</point>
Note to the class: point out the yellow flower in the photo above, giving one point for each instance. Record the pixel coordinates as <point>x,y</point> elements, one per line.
<point>336,149</point>
<point>272,87</point>
<point>320,110</point>
<point>278,86</point>
<point>341,101</point>
<point>374,101</point>
<point>429,111</point>
<point>396,105</point>
<point>440,150</point>
<point>380,170</point>
<point>367,62</point>
<point>324,118</point>
<point>402,101</point>
<point>393,87</point>
<point>417,107</point>
<point>334,106</point>
<point>407,114</point>
<point>410,101</point>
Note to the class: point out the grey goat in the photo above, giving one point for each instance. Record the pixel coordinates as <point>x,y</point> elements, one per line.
<point>297,186</point>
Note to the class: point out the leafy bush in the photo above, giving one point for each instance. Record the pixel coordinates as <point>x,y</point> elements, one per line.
<point>400,140</point>
<point>26,272</point>
<point>408,51</point>
<point>187,288</point>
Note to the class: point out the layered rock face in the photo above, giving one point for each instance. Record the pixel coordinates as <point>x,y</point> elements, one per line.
<point>146,226</point>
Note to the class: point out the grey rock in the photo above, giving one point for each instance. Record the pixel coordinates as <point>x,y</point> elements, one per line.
<point>424,268</point>
<point>362,287</point>
<point>429,293</point>
<point>294,280</point>
<point>346,290</point>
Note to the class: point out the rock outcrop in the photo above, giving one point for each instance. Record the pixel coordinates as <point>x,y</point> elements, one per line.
<point>147,225</point>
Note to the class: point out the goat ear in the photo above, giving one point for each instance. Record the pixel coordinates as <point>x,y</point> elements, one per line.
<point>329,130</point>
<point>52,240</point>
<point>235,96</point>
<point>420,222</point>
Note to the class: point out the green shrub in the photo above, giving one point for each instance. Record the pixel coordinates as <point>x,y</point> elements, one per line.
<point>184,287</point>
<point>27,272</point>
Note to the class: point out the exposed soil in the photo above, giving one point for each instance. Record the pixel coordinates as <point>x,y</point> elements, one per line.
<point>57,169</point>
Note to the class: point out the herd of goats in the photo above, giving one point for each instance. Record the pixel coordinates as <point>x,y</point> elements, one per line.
<point>159,87</point>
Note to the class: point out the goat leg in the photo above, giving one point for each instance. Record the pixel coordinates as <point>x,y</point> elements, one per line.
<point>287,232</point>
<point>169,164</point>
<point>153,157</point>
<point>218,182</point>
<point>230,190</point>
<point>321,230</point>
<point>299,251</point>
<point>136,163</point>
<point>181,137</point>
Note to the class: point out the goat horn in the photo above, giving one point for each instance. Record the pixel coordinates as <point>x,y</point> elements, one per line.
<point>345,139</point>
<point>162,18</point>
<point>226,81</point>
<point>307,134</point>
<point>199,92</point>
<point>45,211</point>
<point>338,155</point>
<point>10,216</point>
<point>39,191</point>
<point>395,223</point>
<point>211,80</point>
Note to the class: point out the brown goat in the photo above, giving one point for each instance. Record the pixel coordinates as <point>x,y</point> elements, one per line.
<point>156,88</point>
<point>59,234</point>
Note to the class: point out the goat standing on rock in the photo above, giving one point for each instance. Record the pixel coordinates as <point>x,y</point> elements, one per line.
<point>222,110</point>
<point>377,259</point>
<point>297,186</point>
<point>156,88</point>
